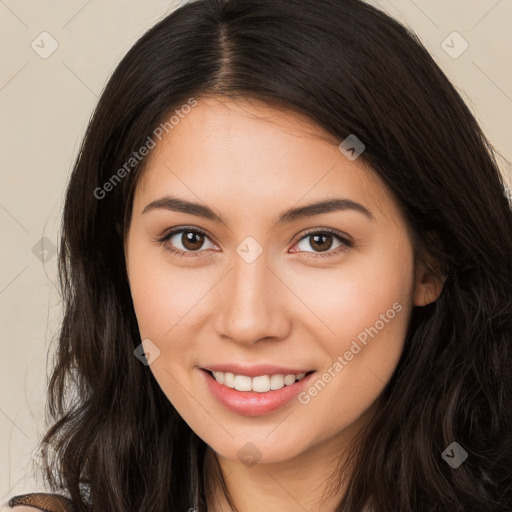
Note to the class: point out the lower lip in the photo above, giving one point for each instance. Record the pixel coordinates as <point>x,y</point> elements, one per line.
<point>252,403</point>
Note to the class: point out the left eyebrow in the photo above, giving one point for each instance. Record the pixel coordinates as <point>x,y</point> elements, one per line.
<point>288,216</point>
<point>327,206</point>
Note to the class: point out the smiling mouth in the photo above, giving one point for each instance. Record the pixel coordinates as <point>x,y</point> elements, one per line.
<point>259,384</point>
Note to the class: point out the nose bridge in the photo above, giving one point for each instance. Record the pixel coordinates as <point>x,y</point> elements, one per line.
<point>249,308</point>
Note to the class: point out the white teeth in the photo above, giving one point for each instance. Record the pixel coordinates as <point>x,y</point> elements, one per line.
<point>276,381</point>
<point>229,380</point>
<point>219,377</point>
<point>242,383</point>
<point>289,379</point>
<point>260,384</point>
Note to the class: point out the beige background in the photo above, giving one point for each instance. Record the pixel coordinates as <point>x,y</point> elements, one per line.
<point>45,105</point>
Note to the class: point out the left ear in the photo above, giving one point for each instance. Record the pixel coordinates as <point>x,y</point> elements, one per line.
<point>428,284</point>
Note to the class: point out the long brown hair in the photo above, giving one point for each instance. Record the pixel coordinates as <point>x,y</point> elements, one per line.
<point>119,443</point>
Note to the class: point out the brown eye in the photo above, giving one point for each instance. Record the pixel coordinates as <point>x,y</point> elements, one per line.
<point>323,242</point>
<point>188,242</point>
<point>191,240</point>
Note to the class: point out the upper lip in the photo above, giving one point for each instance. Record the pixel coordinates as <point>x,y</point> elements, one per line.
<point>255,370</point>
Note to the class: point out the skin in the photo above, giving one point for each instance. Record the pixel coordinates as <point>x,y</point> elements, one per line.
<point>249,162</point>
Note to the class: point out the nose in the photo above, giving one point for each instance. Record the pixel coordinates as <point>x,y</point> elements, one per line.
<point>253,303</point>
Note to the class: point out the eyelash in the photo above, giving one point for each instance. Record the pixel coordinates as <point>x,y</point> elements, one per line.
<point>346,244</point>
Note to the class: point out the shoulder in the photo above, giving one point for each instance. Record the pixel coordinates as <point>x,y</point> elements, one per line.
<point>45,502</point>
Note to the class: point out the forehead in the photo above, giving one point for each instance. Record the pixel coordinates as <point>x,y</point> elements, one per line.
<point>226,149</point>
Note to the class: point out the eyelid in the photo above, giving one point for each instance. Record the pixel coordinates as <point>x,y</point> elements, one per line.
<point>313,231</point>
<point>172,231</point>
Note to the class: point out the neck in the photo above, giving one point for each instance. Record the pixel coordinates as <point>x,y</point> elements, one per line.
<point>313,480</point>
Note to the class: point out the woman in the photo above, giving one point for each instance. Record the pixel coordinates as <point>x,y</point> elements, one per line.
<point>286,266</point>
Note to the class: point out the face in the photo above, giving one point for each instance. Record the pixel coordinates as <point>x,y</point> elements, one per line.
<point>262,286</point>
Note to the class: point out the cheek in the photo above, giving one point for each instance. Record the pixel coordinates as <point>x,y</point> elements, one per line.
<point>367,309</point>
<point>166,301</point>
<point>350,298</point>
<point>166,298</point>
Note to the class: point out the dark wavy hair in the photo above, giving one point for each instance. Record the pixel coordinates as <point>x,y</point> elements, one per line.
<point>118,442</point>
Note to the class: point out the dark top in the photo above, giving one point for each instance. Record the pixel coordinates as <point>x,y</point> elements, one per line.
<point>43,501</point>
